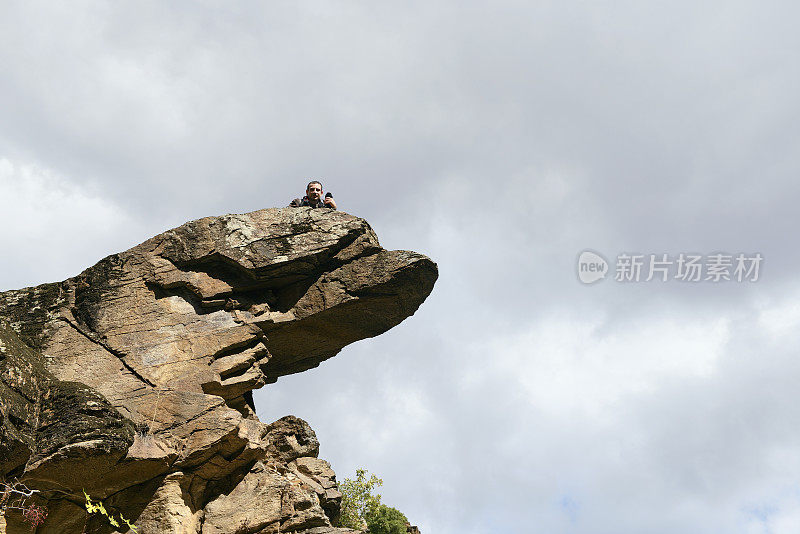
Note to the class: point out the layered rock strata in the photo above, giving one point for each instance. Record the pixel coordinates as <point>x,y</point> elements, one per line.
<point>133,380</point>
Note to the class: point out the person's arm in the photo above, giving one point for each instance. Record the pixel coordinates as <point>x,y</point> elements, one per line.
<point>295,203</point>
<point>329,202</point>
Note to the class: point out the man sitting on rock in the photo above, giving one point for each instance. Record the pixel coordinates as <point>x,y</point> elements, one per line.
<point>314,198</point>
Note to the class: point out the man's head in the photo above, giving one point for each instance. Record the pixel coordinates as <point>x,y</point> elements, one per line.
<point>314,190</point>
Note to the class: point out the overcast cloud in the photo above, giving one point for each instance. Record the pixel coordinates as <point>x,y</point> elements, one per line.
<point>501,139</point>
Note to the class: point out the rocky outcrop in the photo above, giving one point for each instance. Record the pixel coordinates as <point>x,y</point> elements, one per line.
<point>53,429</point>
<point>134,379</point>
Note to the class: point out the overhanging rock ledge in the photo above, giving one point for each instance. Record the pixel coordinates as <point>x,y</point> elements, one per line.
<point>134,379</point>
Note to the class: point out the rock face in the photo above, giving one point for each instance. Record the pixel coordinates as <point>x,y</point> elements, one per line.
<point>133,380</point>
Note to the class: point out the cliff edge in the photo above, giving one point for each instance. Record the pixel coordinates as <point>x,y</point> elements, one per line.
<point>133,380</point>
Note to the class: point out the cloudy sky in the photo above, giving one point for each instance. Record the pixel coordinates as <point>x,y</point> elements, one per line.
<point>501,139</point>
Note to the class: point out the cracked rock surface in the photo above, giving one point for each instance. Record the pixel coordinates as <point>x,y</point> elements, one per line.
<point>134,379</point>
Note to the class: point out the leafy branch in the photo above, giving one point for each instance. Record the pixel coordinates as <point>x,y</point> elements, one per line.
<point>93,508</point>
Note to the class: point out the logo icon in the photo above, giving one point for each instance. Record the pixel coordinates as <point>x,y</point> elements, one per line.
<point>591,267</point>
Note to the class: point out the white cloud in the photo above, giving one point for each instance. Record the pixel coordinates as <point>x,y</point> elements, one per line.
<point>781,318</point>
<point>54,229</point>
<point>566,365</point>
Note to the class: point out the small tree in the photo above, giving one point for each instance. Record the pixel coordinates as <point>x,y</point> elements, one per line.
<point>358,501</point>
<point>362,510</point>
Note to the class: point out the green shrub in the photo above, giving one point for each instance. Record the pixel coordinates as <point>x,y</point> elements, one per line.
<point>386,520</point>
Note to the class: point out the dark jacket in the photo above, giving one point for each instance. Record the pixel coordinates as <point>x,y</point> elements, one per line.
<point>298,202</point>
